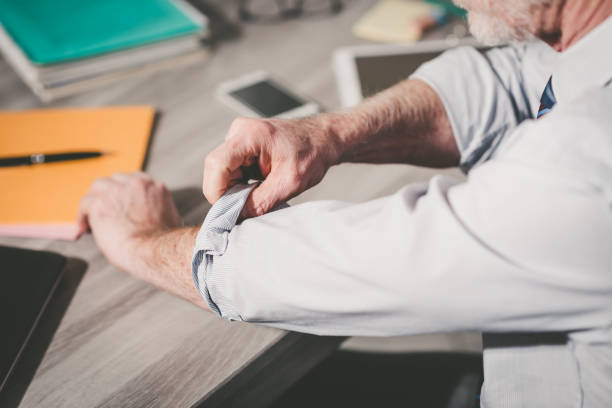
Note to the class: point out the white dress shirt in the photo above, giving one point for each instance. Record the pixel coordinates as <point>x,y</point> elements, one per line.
<point>523,246</point>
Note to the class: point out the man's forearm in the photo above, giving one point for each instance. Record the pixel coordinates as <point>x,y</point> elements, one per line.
<point>405,124</point>
<point>163,258</point>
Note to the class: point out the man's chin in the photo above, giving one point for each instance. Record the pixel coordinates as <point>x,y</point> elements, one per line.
<point>492,30</point>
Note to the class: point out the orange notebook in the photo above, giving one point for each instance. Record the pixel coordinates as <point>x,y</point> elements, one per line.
<point>42,200</point>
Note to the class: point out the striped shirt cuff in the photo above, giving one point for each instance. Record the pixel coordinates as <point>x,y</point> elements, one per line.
<point>212,241</point>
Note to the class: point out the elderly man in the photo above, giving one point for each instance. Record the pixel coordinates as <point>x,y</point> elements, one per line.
<point>521,251</point>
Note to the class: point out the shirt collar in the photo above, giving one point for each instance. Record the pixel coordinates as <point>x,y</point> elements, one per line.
<point>584,65</point>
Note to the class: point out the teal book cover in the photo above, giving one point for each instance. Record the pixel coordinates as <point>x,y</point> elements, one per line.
<point>54,31</point>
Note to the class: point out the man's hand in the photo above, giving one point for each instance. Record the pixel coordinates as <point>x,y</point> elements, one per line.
<point>124,210</point>
<point>406,123</point>
<point>292,156</point>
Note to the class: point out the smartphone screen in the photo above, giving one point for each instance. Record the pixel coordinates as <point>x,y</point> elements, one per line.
<point>266,98</point>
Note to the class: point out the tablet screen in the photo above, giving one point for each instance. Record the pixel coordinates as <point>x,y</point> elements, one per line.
<point>27,280</point>
<point>377,73</point>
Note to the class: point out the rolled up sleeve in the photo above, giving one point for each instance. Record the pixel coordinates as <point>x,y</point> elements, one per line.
<point>486,254</point>
<point>211,244</point>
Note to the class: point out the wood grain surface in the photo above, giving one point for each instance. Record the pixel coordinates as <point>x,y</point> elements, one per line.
<point>113,341</point>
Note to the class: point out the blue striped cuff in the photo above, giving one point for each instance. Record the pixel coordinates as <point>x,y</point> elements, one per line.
<point>212,239</point>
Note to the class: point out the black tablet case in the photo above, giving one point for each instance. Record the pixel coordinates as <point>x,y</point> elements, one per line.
<point>27,281</point>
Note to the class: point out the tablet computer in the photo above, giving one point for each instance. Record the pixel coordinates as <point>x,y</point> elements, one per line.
<point>364,70</point>
<point>27,281</point>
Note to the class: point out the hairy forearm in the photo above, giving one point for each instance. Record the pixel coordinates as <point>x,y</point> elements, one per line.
<point>405,124</point>
<point>163,258</point>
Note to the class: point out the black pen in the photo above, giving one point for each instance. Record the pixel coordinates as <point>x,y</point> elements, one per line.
<point>39,158</point>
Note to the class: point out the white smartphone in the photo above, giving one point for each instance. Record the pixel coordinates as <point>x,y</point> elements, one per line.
<point>258,95</point>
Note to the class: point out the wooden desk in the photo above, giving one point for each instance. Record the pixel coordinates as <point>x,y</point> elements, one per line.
<point>123,343</point>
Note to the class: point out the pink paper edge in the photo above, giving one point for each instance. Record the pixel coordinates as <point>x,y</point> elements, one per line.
<point>51,231</point>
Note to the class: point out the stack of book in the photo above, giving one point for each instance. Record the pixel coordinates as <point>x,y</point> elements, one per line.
<point>61,47</point>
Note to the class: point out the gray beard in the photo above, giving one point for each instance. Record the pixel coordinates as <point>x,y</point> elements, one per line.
<point>492,30</point>
<point>502,21</point>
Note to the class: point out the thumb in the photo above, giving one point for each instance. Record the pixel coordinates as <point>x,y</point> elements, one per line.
<point>83,216</point>
<point>270,193</point>
<point>82,225</point>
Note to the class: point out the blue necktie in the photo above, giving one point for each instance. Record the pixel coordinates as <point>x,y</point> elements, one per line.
<point>548,100</point>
